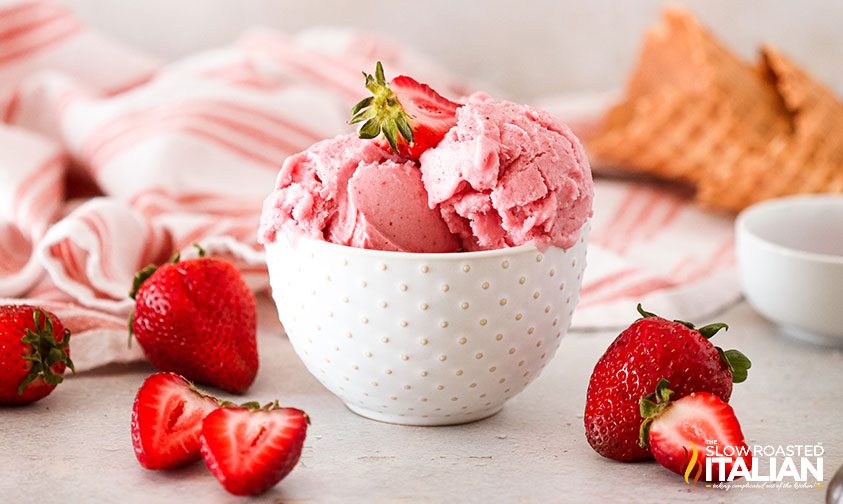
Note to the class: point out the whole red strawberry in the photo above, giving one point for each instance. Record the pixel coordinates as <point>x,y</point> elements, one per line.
<point>653,348</point>
<point>198,318</point>
<point>684,433</point>
<point>34,353</point>
<point>250,448</point>
<point>412,116</point>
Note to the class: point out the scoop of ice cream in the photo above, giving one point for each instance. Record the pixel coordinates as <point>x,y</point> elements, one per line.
<point>389,206</point>
<point>508,174</point>
<point>335,191</point>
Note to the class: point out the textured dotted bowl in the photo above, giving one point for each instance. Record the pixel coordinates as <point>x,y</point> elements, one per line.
<point>425,339</point>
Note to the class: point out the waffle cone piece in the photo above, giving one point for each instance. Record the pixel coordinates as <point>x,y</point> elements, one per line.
<point>739,133</point>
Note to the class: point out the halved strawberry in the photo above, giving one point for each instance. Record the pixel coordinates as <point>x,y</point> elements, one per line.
<point>411,115</point>
<point>251,448</point>
<point>684,433</point>
<point>650,349</point>
<point>167,420</point>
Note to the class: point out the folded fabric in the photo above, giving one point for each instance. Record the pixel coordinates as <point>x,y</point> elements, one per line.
<point>650,244</point>
<point>111,160</point>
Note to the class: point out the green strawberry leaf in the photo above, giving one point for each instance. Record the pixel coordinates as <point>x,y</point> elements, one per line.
<point>711,329</point>
<point>650,407</point>
<point>686,324</point>
<point>644,313</point>
<point>362,104</point>
<point>140,278</point>
<point>381,113</point>
<point>738,363</point>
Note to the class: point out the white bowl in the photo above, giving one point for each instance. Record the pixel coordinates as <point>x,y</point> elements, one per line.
<point>425,339</point>
<point>790,258</point>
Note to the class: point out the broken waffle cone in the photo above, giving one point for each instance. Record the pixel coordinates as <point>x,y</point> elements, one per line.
<point>817,114</point>
<point>696,113</point>
<point>687,97</point>
<point>660,134</point>
<point>682,54</point>
<point>809,159</point>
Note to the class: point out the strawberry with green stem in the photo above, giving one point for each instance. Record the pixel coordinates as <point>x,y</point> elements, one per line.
<point>653,348</point>
<point>197,317</point>
<point>411,116</point>
<point>34,353</point>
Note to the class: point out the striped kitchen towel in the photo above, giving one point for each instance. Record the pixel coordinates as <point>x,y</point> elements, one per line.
<point>111,159</point>
<point>649,243</point>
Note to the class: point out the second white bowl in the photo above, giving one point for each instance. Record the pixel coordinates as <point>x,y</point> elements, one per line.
<point>790,258</point>
<point>425,339</point>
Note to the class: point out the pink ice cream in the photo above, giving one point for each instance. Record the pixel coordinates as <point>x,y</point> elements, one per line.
<point>507,175</point>
<point>351,192</point>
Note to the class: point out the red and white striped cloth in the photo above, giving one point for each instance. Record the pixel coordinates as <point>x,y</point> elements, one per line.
<point>649,244</point>
<point>110,160</point>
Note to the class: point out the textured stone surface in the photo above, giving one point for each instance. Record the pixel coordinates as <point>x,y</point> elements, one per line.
<point>76,442</point>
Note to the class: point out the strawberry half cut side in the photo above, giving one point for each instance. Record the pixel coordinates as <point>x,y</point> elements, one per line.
<point>167,421</point>
<point>683,434</point>
<point>251,448</point>
<point>411,116</point>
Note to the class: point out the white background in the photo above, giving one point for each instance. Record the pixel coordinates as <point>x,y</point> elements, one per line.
<point>525,47</point>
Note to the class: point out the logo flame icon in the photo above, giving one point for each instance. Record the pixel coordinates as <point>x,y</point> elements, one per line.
<point>693,462</point>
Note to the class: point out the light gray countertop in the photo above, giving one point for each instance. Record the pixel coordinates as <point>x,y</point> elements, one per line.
<point>74,446</point>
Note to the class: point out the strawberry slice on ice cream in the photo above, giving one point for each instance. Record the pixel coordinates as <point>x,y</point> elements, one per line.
<point>411,116</point>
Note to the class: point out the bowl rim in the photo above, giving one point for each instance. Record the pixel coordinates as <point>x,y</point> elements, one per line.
<point>437,256</point>
<point>798,201</point>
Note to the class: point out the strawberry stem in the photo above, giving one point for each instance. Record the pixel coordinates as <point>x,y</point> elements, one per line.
<point>45,352</point>
<point>644,313</point>
<point>381,113</point>
<point>141,276</point>
<point>711,329</point>
<point>707,331</point>
<point>252,405</point>
<point>650,407</point>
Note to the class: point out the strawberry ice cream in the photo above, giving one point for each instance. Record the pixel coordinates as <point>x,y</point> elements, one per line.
<point>351,192</point>
<point>507,175</point>
<point>427,174</point>
<point>389,205</point>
